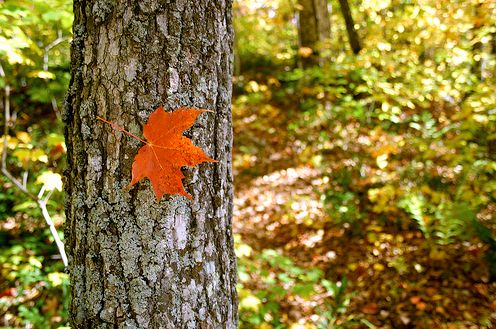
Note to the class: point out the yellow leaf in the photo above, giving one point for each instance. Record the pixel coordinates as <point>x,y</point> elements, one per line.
<point>51,181</point>
<point>35,262</point>
<point>42,75</point>
<point>22,154</point>
<point>265,325</point>
<point>243,250</point>
<point>378,267</point>
<point>382,161</point>
<point>11,142</point>
<point>56,278</point>
<point>39,155</point>
<point>250,303</point>
<point>23,137</point>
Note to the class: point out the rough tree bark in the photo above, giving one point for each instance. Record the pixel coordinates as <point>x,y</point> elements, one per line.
<point>314,29</point>
<point>350,27</point>
<point>136,263</point>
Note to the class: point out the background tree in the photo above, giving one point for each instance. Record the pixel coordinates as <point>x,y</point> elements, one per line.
<point>135,262</point>
<point>314,29</point>
<point>350,26</point>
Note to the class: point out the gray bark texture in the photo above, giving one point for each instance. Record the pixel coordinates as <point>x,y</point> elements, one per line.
<point>133,262</point>
<point>314,28</point>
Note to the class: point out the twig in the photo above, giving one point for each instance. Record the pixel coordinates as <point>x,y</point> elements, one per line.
<point>46,50</point>
<point>42,190</point>
<point>41,203</point>
<point>53,230</point>
<point>25,178</point>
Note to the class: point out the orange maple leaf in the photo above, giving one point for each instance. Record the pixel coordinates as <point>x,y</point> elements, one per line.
<point>166,151</point>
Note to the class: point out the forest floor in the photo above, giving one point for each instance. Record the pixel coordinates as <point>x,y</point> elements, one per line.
<point>396,277</point>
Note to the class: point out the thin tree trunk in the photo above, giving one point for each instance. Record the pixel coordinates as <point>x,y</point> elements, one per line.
<point>350,27</point>
<point>493,43</point>
<point>314,29</point>
<point>136,263</point>
<point>477,48</point>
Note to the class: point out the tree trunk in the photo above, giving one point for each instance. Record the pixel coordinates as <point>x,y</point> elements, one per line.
<point>350,26</point>
<point>314,30</point>
<point>136,263</point>
<point>477,47</point>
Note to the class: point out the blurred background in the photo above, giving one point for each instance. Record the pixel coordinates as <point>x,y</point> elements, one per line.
<point>364,160</point>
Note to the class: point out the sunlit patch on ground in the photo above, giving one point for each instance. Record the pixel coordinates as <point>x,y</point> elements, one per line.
<point>272,201</point>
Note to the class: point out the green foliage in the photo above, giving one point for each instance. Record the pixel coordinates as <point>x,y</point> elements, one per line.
<point>33,317</point>
<point>403,133</point>
<point>411,115</point>
<point>454,221</point>
<point>41,288</point>
<point>34,59</point>
<point>281,281</point>
<point>415,204</point>
<point>34,54</point>
<point>7,199</point>
<point>265,35</point>
<point>336,306</point>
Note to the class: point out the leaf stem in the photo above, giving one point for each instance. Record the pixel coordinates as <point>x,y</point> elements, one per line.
<point>116,127</point>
